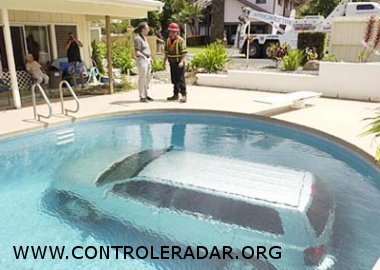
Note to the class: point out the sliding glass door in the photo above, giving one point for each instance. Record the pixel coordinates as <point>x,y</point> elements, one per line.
<point>17,36</point>
<point>37,43</point>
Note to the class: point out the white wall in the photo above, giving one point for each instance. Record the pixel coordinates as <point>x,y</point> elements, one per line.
<point>232,11</point>
<point>279,9</point>
<point>339,80</point>
<point>268,6</point>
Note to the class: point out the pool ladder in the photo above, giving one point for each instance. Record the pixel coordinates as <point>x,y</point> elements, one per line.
<point>65,137</point>
<point>63,110</point>
<point>47,101</point>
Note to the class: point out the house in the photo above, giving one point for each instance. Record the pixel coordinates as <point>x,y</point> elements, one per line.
<point>228,13</point>
<point>41,27</point>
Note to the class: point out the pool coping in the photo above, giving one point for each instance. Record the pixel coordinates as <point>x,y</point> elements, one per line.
<point>316,132</point>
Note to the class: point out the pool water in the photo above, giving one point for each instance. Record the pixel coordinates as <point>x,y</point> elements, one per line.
<point>37,174</point>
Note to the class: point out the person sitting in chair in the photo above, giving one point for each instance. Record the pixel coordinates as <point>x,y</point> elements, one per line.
<point>36,70</point>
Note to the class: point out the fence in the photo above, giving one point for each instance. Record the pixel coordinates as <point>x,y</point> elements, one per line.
<point>346,39</point>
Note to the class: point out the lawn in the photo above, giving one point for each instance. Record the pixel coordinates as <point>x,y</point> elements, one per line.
<point>195,50</point>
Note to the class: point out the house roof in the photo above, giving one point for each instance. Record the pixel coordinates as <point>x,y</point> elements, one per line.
<point>113,8</point>
<point>247,3</point>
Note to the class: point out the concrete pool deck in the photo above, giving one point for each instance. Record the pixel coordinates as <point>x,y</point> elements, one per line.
<point>339,118</point>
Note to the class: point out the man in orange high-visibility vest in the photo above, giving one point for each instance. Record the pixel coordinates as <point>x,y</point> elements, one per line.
<point>175,52</point>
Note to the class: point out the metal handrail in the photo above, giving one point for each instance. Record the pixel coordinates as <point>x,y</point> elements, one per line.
<point>38,116</point>
<point>63,110</point>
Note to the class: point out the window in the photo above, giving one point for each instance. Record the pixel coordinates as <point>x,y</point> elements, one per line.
<point>37,43</point>
<point>17,36</point>
<point>261,1</point>
<point>365,7</point>
<point>61,35</point>
<point>320,208</point>
<point>279,2</point>
<point>227,210</point>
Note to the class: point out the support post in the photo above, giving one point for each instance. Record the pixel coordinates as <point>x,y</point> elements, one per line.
<point>10,58</point>
<point>248,44</point>
<point>109,54</point>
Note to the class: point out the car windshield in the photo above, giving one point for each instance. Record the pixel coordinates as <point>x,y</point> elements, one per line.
<point>320,208</point>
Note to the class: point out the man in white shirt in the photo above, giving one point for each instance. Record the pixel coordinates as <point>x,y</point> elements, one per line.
<point>36,70</point>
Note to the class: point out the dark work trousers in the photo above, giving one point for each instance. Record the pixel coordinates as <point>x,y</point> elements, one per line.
<point>178,78</point>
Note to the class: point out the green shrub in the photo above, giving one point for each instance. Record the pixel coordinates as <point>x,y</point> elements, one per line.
<point>277,52</point>
<point>158,65</point>
<point>374,130</point>
<point>98,54</point>
<point>293,60</point>
<point>311,54</point>
<point>122,54</point>
<point>214,58</point>
<point>315,40</point>
<point>330,58</point>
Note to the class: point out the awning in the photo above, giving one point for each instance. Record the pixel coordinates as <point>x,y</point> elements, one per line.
<point>151,5</point>
<point>113,8</point>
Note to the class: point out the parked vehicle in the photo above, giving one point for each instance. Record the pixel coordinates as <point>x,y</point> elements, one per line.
<point>286,29</point>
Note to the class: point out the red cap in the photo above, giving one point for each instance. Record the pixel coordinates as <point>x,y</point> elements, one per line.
<point>174,27</point>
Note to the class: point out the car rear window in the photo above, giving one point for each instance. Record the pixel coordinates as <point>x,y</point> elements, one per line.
<point>320,208</point>
<point>227,210</point>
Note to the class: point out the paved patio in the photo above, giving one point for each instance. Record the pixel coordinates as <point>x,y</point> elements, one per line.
<point>340,118</point>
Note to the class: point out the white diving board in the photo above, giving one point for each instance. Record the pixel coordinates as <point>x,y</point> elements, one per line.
<point>296,99</point>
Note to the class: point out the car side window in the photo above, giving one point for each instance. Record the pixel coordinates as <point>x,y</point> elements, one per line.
<point>228,210</point>
<point>224,209</point>
<point>365,7</point>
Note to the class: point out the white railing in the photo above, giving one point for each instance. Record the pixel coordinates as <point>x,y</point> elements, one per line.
<point>38,116</point>
<point>66,111</point>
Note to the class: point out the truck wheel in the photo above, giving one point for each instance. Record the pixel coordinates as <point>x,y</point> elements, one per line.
<point>254,50</point>
<point>266,47</point>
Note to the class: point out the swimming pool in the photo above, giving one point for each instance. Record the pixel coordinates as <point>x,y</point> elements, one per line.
<point>49,197</point>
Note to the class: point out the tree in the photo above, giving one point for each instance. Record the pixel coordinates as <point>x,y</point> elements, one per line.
<point>217,22</point>
<point>181,11</point>
<point>321,7</point>
<point>189,13</point>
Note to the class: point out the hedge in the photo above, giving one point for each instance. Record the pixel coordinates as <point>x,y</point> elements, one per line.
<point>317,40</point>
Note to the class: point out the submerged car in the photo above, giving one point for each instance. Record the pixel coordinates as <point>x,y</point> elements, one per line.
<point>201,199</point>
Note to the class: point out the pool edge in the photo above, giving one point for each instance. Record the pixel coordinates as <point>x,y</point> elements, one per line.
<point>316,132</point>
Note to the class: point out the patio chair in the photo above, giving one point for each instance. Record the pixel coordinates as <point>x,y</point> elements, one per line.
<point>93,77</point>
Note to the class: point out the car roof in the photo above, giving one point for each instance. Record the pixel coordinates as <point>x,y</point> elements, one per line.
<point>248,181</point>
